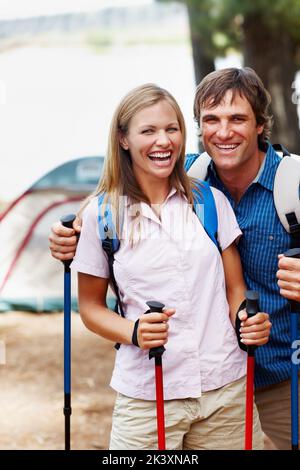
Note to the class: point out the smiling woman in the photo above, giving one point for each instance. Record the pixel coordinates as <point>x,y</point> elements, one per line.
<point>155,145</point>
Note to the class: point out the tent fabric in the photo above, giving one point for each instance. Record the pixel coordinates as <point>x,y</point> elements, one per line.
<point>30,279</point>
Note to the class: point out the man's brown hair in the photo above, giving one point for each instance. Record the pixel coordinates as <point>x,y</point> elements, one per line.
<point>212,89</point>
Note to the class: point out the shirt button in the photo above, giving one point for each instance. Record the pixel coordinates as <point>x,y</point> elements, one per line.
<point>271,237</point>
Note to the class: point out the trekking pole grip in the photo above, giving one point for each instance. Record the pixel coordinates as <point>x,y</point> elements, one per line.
<point>155,306</point>
<point>251,308</point>
<point>67,221</point>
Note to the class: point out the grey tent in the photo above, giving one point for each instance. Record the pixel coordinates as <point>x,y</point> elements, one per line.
<point>30,279</point>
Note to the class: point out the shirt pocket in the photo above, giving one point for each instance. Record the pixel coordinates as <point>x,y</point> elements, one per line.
<point>259,250</point>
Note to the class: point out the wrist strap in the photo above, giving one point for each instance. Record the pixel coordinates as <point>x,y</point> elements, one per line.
<point>134,338</point>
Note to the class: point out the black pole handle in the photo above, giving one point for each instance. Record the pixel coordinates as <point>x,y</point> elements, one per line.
<point>252,308</point>
<point>293,253</point>
<point>67,221</point>
<point>155,306</point>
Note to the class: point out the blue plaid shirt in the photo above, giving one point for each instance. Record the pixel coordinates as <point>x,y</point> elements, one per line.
<point>263,239</point>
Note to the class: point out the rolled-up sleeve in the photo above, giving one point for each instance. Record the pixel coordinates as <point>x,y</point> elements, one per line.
<point>90,257</point>
<point>228,228</point>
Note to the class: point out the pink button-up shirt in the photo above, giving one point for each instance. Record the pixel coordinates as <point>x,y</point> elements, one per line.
<point>172,260</point>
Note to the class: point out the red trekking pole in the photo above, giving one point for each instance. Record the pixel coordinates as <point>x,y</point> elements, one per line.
<point>157,354</point>
<point>251,309</point>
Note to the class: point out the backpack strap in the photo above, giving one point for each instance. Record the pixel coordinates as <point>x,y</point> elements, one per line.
<point>110,244</point>
<point>205,208</point>
<point>286,194</point>
<point>196,165</point>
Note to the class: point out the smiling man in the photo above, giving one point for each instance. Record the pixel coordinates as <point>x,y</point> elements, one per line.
<point>232,109</point>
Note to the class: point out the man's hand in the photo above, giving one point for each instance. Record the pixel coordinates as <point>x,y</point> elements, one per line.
<point>288,276</point>
<point>63,240</point>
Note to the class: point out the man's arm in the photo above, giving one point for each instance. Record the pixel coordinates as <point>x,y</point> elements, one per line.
<point>63,240</point>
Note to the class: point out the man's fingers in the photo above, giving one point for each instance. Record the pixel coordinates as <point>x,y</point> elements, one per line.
<point>289,264</point>
<point>292,284</point>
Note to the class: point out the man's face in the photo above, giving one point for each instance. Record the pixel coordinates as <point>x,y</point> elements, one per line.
<point>229,133</point>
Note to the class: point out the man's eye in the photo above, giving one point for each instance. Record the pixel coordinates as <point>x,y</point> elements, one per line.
<point>210,120</point>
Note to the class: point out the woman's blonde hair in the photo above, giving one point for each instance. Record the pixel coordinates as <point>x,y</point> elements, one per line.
<point>118,178</point>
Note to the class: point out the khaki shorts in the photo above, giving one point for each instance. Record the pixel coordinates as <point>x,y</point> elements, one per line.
<point>214,421</point>
<point>274,407</point>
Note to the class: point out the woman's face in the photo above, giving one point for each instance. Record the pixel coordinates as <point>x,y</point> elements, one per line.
<point>154,140</point>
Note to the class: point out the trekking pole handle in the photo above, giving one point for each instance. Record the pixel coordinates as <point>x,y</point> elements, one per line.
<point>293,253</point>
<point>67,221</point>
<point>155,306</point>
<point>252,298</point>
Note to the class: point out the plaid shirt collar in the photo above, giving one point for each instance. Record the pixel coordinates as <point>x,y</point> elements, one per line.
<point>265,177</point>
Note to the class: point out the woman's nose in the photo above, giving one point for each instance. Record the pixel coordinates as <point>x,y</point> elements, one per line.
<point>163,139</point>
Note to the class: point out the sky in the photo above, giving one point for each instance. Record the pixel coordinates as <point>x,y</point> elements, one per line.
<point>10,9</point>
<point>56,103</point>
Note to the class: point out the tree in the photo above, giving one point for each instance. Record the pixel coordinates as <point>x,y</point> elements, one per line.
<point>268,36</point>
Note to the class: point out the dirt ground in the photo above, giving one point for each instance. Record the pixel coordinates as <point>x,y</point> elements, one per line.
<point>31,391</point>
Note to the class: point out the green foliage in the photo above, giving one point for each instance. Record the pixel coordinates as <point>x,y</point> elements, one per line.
<point>219,23</point>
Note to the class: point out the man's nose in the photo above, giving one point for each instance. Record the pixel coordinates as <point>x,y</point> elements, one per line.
<point>224,130</point>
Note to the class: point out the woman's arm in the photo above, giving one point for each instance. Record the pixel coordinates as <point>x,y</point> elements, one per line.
<point>234,280</point>
<point>153,327</point>
<point>255,330</point>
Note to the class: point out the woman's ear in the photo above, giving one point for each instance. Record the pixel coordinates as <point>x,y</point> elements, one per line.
<point>123,142</point>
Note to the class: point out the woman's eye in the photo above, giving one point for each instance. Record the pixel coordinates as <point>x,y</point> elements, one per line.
<point>147,131</point>
<point>173,129</point>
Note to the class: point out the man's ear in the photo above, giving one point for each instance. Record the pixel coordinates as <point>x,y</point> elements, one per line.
<point>260,129</point>
<point>123,142</point>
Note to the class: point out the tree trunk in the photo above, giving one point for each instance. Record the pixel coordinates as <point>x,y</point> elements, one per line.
<point>203,63</point>
<point>271,54</point>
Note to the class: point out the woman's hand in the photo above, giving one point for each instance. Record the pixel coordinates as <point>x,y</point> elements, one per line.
<point>153,329</point>
<point>254,331</point>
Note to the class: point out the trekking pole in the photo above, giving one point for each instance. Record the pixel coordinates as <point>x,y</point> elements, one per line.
<point>251,309</point>
<point>157,354</point>
<point>67,221</point>
<point>295,310</point>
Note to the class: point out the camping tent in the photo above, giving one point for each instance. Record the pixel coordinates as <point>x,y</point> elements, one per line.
<point>30,279</point>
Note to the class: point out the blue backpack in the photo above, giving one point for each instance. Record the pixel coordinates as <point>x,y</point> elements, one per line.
<point>204,207</point>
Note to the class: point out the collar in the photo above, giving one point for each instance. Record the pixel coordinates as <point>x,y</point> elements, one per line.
<point>265,176</point>
<point>143,207</point>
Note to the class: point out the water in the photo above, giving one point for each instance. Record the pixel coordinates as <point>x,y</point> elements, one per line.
<point>56,103</point>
